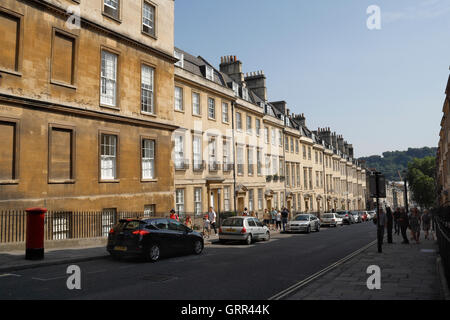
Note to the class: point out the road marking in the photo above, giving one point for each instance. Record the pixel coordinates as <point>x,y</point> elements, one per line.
<point>294,288</point>
<point>49,279</point>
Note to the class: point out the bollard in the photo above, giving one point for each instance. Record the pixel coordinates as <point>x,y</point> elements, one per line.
<point>35,234</point>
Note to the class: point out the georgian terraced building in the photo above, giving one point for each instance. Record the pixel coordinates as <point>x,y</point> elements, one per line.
<point>443,156</point>
<point>86,115</point>
<point>99,111</point>
<point>235,149</point>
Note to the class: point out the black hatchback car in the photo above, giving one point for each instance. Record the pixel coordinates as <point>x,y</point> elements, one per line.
<point>152,238</point>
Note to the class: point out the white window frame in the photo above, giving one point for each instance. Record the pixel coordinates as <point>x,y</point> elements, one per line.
<point>209,73</point>
<point>198,201</point>
<point>197,156</point>
<point>108,87</point>
<point>108,157</point>
<point>225,113</point>
<point>149,20</point>
<point>179,201</point>
<point>211,107</point>
<point>196,110</point>
<point>179,98</point>
<point>147,91</point>
<point>179,151</point>
<point>148,159</point>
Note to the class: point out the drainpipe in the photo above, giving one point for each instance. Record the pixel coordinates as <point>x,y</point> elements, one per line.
<point>234,156</point>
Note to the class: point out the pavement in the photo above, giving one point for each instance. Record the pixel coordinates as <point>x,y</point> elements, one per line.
<point>408,272</point>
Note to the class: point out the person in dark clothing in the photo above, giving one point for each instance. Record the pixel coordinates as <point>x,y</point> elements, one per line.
<point>284,218</point>
<point>403,221</point>
<point>389,224</point>
<point>396,224</point>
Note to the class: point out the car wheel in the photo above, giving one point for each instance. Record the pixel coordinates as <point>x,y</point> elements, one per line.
<point>308,230</point>
<point>267,238</point>
<point>198,247</point>
<point>249,240</point>
<point>153,253</point>
<point>318,228</point>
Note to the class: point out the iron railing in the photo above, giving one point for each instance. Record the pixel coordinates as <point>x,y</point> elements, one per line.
<point>441,224</point>
<point>59,225</point>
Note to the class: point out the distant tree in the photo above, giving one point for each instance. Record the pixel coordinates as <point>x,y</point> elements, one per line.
<point>421,173</point>
<point>394,161</point>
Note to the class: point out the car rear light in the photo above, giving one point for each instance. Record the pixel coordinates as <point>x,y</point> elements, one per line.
<point>111,231</point>
<point>141,232</point>
<point>220,230</point>
<point>243,230</point>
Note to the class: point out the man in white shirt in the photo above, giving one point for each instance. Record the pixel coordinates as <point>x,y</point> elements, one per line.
<point>212,218</point>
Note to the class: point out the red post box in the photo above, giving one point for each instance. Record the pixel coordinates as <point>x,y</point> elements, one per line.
<point>35,234</point>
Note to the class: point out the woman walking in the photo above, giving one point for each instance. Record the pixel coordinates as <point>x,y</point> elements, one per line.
<point>426,223</point>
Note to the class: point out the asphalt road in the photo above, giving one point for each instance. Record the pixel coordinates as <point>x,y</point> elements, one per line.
<point>221,272</point>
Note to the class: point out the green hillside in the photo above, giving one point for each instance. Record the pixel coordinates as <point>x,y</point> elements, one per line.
<point>393,161</point>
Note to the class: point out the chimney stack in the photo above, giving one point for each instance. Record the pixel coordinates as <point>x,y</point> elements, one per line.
<point>256,81</point>
<point>232,67</point>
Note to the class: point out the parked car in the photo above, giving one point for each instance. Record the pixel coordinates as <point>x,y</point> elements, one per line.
<point>371,214</point>
<point>330,219</point>
<point>246,229</point>
<point>152,238</point>
<point>356,217</point>
<point>303,223</point>
<point>347,218</point>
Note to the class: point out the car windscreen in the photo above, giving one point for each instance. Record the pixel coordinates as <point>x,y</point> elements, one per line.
<point>233,222</point>
<point>301,218</point>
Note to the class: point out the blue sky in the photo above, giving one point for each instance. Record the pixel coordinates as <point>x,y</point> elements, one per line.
<point>382,89</point>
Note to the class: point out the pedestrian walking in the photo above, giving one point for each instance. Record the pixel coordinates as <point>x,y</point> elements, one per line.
<point>278,220</point>
<point>274,218</point>
<point>206,226</point>
<point>414,225</point>
<point>267,217</point>
<point>396,224</point>
<point>284,218</point>
<point>212,218</point>
<point>403,221</point>
<point>389,224</point>
<point>245,213</point>
<point>426,223</point>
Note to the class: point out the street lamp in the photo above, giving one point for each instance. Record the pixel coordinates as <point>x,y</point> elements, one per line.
<point>405,175</point>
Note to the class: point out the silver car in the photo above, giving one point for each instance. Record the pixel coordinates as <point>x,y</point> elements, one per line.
<point>331,219</point>
<point>247,229</point>
<point>303,223</point>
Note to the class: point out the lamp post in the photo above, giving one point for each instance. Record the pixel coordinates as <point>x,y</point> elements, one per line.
<point>405,174</point>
